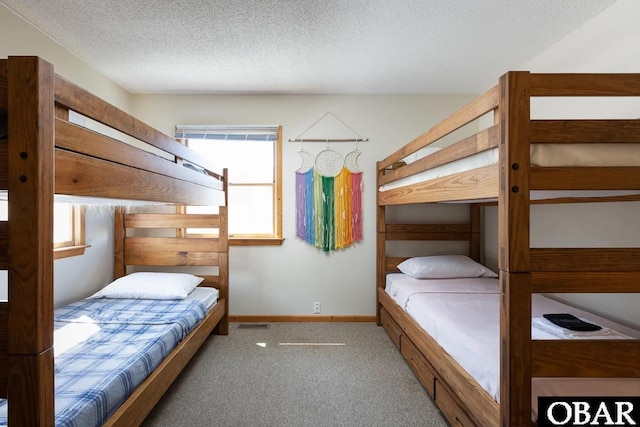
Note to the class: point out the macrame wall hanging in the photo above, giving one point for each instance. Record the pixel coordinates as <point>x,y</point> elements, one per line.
<point>329,194</point>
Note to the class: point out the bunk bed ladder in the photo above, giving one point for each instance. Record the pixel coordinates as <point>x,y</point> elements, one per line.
<point>525,270</point>
<point>586,270</point>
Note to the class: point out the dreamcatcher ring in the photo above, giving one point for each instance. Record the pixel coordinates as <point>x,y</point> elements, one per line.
<point>329,162</point>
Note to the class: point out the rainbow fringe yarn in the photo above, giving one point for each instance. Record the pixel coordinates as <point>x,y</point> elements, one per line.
<point>329,209</point>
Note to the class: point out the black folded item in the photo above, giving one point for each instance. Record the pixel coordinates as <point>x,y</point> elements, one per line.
<point>571,322</point>
<point>3,124</point>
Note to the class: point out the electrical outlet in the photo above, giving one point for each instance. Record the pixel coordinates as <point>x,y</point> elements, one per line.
<point>316,307</point>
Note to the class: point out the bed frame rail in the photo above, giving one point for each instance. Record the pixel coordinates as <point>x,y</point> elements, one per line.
<point>587,358</point>
<point>73,97</point>
<point>458,186</point>
<point>578,281</point>
<point>482,183</point>
<point>483,104</point>
<point>585,84</point>
<point>157,158</point>
<point>481,141</point>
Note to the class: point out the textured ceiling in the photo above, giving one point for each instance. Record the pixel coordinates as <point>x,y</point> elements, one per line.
<point>307,46</point>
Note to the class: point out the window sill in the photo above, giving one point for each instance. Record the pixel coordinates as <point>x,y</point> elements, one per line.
<point>69,251</point>
<point>248,241</point>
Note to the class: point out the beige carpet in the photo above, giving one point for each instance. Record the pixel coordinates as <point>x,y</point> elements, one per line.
<point>350,375</point>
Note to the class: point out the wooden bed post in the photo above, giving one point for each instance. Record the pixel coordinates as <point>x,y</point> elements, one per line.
<point>223,258</point>
<point>119,233</point>
<point>30,246</point>
<point>475,219</point>
<point>223,265</point>
<point>381,250</point>
<point>513,241</point>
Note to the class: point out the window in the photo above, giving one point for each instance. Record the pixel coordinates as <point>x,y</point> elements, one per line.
<point>68,228</point>
<point>253,156</point>
<point>63,216</point>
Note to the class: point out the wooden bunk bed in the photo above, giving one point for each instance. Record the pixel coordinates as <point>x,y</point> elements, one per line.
<point>44,153</point>
<point>513,183</point>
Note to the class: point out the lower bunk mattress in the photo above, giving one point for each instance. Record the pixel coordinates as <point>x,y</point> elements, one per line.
<point>105,348</point>
<point>463,317</point>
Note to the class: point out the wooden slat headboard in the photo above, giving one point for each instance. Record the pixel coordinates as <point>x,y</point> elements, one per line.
<point>159,251</point>
<point>428,232</point>
<point>169,251</point>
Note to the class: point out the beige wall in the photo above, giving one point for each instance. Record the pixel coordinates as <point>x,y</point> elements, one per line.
<point>287,279</point>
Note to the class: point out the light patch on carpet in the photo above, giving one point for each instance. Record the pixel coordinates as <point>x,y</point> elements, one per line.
<point>312,343</point>
<point>261,344</point>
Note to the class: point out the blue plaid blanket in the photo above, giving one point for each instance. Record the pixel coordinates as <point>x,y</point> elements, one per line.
<point>104,348</point>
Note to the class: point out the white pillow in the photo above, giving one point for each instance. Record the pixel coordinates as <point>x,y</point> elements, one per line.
<point>444,267</point>
<point>150,285</point>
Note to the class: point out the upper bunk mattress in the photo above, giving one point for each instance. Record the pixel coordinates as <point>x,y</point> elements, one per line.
<point>542,155</point>
<point>104,348</point>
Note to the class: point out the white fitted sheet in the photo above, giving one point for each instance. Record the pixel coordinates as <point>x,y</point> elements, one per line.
<point>547,155</point>
<point>401,287</point>
<point>208,296</point>
<point>467,326</point>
